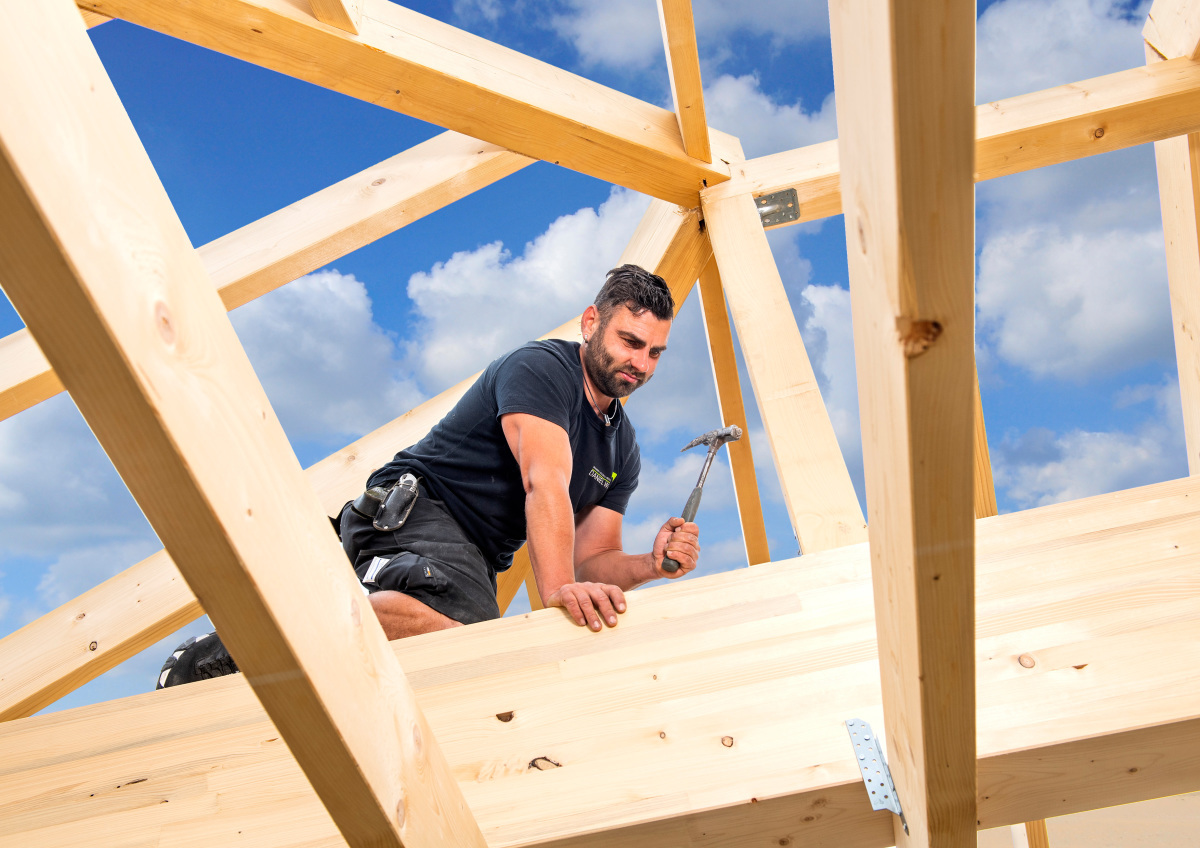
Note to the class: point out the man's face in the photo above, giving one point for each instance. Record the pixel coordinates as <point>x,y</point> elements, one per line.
<point>623,352</point>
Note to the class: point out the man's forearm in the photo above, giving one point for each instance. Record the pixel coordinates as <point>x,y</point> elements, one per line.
<point>551,537</point>
<point>628,571</point>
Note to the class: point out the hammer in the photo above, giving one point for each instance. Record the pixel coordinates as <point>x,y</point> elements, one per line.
<point>714,439</point>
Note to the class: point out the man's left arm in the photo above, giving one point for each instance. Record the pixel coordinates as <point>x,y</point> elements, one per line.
<point>599,556</point>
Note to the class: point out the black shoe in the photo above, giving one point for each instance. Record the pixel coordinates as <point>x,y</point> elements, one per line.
<point>199,658</point>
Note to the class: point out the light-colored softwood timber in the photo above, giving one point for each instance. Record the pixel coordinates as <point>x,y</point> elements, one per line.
<point>1101,594</point>
<point>451,78</point>
<point>812,472</point>
<point>343,14</point>
<point>1031,835</point>
<point>905,82</point>
<point>100,268</point>
<point>733,411</point>
<point>535,597</point>
<point>1178,161</point>
<point>683,65</point>
<point>1022,133</point>
<point>1173,28</point>
<point>92,19</point>
<point>985,487</point>
<point>52,655</point>
<point>278,248</point>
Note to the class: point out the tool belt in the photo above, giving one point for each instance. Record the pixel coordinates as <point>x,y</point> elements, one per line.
<point>388,507</point>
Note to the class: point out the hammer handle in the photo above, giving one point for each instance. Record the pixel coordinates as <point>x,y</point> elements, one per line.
<point>689,513</point>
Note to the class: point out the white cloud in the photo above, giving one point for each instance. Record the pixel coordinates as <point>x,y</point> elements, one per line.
<point>1041,467</point>
<point>1075,305</point>
<point>329,370</point>
<point>739,106</point>
<point>80,569</point>
<point>1030,45</point>
<point>557,275</point>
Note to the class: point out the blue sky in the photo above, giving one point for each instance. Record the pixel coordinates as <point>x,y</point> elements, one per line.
<point>1074,345</point>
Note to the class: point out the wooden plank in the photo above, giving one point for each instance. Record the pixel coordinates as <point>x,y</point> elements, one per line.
<point>310,233</point>
<point>683,65</point>
<point>905,82</point>
<point>100,268</point>
<point>1031,835</point>
<point>91,19</point>
<point>773,657</point>
<point>1022,133</point>
<point>343,14</point>
<point>985,487</point>
<point>1178,162</point>
<point>52,655</point>
<point>733,411</point>
<point>820,497</point>
<point>450,78</point>
<point>1173,28</point>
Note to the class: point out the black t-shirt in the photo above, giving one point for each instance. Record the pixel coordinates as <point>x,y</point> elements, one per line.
<point>465,460</point>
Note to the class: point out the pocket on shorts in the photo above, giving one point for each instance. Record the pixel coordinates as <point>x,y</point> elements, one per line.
<point>403,572</point>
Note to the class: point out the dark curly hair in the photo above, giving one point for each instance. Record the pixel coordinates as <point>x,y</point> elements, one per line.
<point>638,289</point>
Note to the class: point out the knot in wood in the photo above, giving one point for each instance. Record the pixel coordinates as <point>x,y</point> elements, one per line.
<point>93,646</point>
<point>727,741</point>
<point>543,764</point>
<point>917,336</point>
<point>508,716</point>
<point>1027,660</point>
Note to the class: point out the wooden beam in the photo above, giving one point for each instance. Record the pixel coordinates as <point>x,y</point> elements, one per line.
<point>985,487</point>
<point>310,233</point>
<point>52,655</point>
<point>1022,133</point>
<point>733,411</point>
<point>1100,593</point>
<point>683,65</point>
<point>421,67</point>
<point>812,472</point>
<point>91,19</point>
<point>905,82</point>
<point>343,14</point>
<point>1031,835</point>
<point>1178,161</point>
<point>97,264</point>
<point>1173,28</point>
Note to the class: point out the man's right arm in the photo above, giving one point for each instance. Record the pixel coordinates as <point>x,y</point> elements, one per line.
<point>543,452</point>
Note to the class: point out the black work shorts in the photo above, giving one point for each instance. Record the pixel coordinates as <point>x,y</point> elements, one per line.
<point>430,558</point>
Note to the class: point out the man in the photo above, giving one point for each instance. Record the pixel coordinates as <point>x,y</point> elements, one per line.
<point>538,449</point>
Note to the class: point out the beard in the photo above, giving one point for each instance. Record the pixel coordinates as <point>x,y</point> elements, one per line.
<point>604,372</point>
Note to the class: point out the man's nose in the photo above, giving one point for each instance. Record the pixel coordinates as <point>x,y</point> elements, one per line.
<point>641,360</point>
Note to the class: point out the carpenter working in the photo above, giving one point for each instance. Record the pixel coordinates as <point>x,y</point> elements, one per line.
<point>539,449</point>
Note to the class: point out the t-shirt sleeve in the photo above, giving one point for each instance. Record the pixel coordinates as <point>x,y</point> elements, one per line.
<point>534,381</point>
<point>617,497</point>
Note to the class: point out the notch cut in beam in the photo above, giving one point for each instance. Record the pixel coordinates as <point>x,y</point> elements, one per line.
<point>1120,110</point>
<point>304,236</point>
<point>905,82</point>
<point>51,656</point>
<point>450,78</point>
<point>683,66</point>
<point>157,372</point>
<point>820,497</point>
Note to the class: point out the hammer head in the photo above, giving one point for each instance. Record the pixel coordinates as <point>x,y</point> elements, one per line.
<point>715,438</point>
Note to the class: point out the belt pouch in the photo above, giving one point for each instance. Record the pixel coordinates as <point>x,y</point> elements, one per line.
<point>398,504</point>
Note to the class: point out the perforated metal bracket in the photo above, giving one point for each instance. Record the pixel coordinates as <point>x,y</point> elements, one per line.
<point>874,768</point>
<point>778,208</point>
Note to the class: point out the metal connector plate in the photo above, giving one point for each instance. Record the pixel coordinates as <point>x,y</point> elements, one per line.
<point>778,208</point>
<point>874,769</point>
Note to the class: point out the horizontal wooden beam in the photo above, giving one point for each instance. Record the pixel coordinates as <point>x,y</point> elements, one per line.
<point>717,703</point>
<point>312,232</point>
<point>142,342</point>
<point>404,61</point>
<point>1022,133</point>
<point>53,655</point>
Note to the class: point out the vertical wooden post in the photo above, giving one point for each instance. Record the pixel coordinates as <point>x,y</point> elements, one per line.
<point>683,64</point>
<point>904,73</point>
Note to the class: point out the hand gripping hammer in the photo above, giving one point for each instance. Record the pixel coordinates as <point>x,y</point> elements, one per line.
<point>714,439</point>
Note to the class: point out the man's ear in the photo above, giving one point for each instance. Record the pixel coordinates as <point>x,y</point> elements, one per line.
<point>589,321</point>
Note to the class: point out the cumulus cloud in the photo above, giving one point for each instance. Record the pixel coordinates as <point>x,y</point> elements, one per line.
<point>1075,305</point>
<point>738,105</point>
<point>1040,467</point>
<point>1029,45</point>
<point>458,301</point>
<point>626,33</point>
<point>330,371</point>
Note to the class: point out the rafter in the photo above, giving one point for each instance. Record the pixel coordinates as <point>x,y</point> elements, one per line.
<point>156,370</point>
<point>310,233</point>
<point>343,14</point>
<point>405,61</point>
<point>905,82</point>
<point>1022,133</point>
<point>1100,593</point>
<point>1173,28</point>
<point>816,485</point>
<point>53,655</point>
<point>683,65</point>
